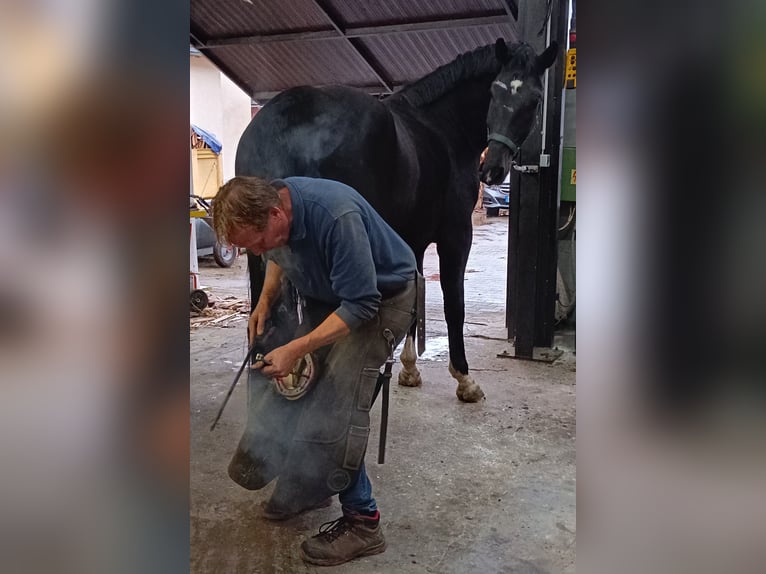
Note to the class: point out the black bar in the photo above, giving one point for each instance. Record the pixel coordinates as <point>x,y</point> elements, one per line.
<point>511,300</point>
<point>533,221</point>
<point>527,260</point>
<point>545,305</point>
<point>384,419</point>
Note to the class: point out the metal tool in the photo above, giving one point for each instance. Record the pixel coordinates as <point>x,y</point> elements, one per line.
<point>258,357</point>
<point>300,302</point>
<point>385,378</point>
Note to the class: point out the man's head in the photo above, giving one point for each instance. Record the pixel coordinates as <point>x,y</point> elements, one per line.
<point>250,212</point>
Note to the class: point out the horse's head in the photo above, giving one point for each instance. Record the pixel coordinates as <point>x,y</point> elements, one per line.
<point>516,91</point>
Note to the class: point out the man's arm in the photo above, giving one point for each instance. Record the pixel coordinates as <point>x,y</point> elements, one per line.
<point>283,358</point>
<point>354,282</point>
<point>270,292</point>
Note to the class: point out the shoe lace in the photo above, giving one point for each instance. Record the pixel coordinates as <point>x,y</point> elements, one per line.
<point>333,529</point>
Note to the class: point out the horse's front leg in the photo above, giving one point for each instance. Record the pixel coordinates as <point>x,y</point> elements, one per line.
<point>453,255</point>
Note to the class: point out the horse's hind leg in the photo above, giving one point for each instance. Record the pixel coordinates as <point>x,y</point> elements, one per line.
<point>453,256</point>
<point>409,376</point>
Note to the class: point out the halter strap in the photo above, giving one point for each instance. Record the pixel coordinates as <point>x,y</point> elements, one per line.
<point>503,140</point>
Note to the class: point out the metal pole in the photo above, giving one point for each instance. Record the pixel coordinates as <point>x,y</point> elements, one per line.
<point>533,216</point>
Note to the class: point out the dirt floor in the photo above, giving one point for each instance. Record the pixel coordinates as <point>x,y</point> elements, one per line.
<point>466,488</point>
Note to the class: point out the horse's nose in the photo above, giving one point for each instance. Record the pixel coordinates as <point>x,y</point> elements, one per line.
<point>484,174</point>
<point>492,175</point>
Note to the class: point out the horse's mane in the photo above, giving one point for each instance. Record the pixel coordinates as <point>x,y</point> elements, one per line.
<point>466,66</point>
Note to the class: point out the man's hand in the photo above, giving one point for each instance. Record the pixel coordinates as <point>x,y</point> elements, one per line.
<point>257,321</point>
<point>282,360</point>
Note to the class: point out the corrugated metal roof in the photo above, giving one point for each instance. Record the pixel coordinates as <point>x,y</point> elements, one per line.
<point>278,66</point>
<point>408,57</point>
<point>226,18</point>
<point>266,46</point>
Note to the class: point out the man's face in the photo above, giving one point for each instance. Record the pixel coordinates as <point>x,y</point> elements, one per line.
<point>275,234</point>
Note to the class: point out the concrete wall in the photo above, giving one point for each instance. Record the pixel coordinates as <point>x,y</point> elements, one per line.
<point>217,105</point>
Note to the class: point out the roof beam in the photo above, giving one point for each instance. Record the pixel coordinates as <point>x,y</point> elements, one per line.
<point>195,41</point>
<point>269,38</point>
<point>427,25</point>
<point>362,31</point>
<point>364,54</point>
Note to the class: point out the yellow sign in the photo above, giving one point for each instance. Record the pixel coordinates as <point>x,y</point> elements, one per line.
<point>570,78</point>
<point>573,179</point>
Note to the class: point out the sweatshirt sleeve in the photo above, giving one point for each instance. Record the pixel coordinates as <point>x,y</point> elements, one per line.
<point>352,270</point>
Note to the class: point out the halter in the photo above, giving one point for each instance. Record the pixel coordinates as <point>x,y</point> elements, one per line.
<point>506,141</point>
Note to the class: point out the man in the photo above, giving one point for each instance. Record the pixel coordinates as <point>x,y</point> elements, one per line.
<point>358,278</point>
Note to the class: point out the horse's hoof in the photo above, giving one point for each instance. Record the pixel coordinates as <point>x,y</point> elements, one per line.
<point>467,389</point>
<point>410,379</point>
<point>469,392</point>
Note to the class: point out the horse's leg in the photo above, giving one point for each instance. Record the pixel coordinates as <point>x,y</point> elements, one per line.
<point>453,256</point>
<point>409,376</point>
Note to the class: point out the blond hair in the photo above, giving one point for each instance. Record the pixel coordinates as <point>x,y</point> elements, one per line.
<point>243,201</point>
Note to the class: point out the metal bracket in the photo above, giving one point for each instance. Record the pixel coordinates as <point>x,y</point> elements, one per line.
<point>389,336</point>
<point>527,168</point>
<point>541,354</point>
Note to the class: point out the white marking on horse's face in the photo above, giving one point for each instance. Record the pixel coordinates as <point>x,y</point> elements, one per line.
<point>515,85</point>
<point>509,108</point>
<point>501,84</point>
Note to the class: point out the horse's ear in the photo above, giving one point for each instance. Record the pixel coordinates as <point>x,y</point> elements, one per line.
<point>513,6</point>
<point>501,51</point>
<point>546,59</point>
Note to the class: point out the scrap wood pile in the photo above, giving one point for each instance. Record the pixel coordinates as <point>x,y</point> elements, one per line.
<point>201,139</point>
<point>197,142</point>
<point>220,313</point>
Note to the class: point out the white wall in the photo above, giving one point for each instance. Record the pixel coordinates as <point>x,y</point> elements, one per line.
<point>216,104</point>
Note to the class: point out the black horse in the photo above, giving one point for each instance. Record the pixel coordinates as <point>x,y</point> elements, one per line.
<point>413,155</point>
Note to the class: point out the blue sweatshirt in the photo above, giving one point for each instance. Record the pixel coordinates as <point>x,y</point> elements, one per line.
<point>340,251</point>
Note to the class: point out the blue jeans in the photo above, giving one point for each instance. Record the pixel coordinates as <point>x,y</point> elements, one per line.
<point>357,498</point>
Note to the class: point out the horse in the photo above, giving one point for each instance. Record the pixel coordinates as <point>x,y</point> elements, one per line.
<point>413,155</point>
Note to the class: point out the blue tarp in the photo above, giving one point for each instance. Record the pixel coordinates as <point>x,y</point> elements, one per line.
<point>208,138</point>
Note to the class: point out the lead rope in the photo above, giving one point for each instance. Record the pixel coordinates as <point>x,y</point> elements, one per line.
<point>386,378</point>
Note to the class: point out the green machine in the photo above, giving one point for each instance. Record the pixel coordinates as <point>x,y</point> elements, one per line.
<point>566,276</point>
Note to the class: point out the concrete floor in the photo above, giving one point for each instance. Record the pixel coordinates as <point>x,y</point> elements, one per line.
<point>466,488</point>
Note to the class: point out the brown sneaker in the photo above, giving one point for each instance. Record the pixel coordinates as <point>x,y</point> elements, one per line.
<point>350,536</point>
<point>271,512</point>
